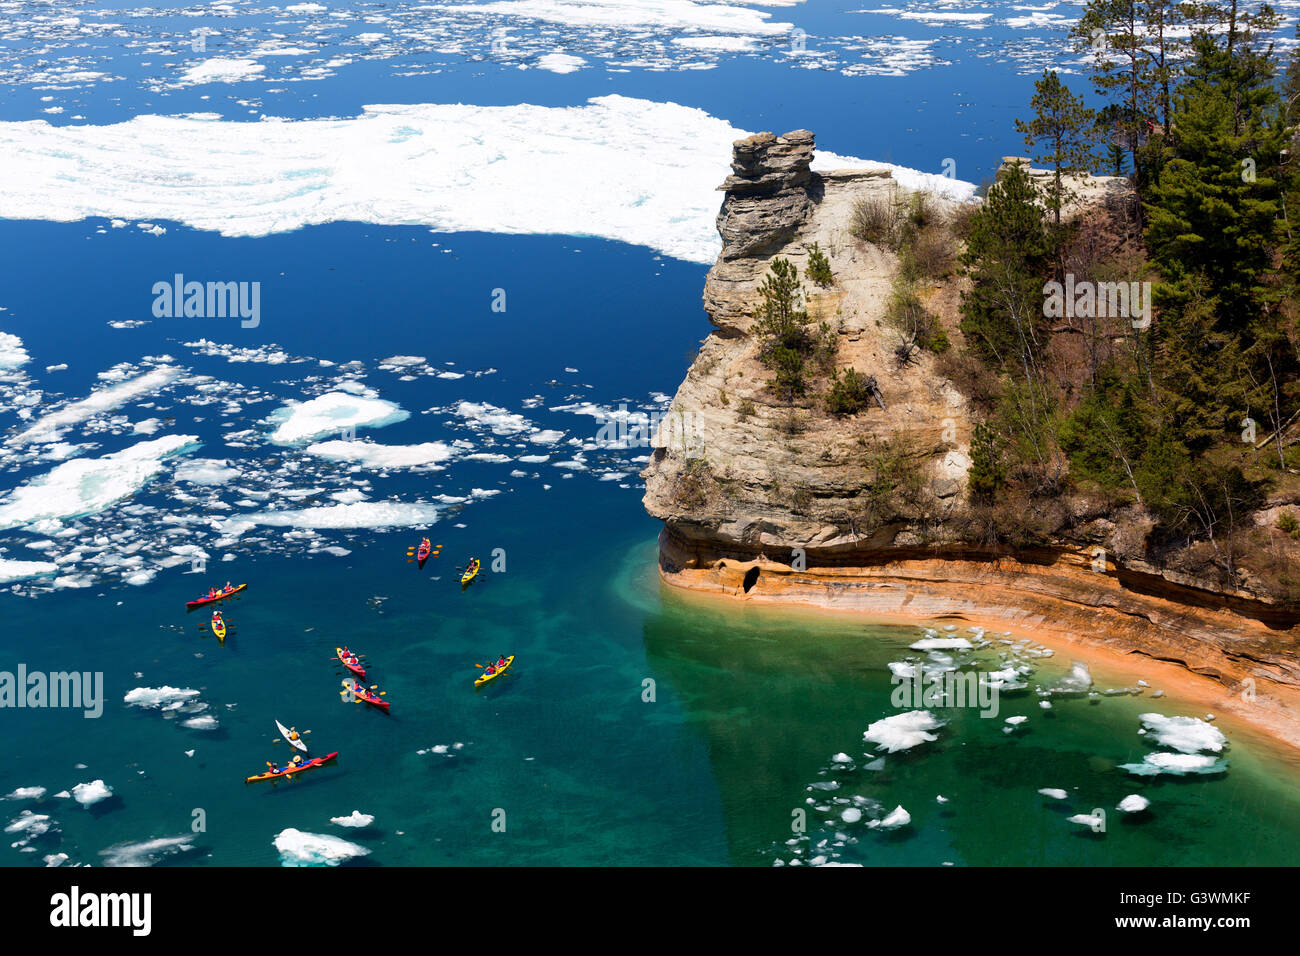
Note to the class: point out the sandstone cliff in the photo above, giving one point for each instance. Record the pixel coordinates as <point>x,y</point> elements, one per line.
<point>776,501</point>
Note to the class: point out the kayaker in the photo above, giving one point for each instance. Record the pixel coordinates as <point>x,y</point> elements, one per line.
<point>502,662</point>
<point>228,586</point>
<point>297,759</point>
<point>489,670</point>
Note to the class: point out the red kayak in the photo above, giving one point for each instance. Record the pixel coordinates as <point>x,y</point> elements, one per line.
<point>374,700</point>
<point>351,662</point>
<point>290,770</point>
<point>219,596</point>
<point>423,554</point>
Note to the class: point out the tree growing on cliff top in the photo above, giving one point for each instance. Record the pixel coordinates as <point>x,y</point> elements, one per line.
<point>1061,126</point>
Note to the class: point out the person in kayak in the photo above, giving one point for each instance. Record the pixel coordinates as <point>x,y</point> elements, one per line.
<point>490,670</point>
<point>228,587</point>
<point>212,592</point>
<point>502,662</point>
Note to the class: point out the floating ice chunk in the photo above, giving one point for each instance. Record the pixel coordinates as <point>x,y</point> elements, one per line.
<point>55,859</point>
<point>206,471</point>
<point>1088,820</point>
<point>354,819</point>
<point>1016,721</point>
<point>218,69</point>
<point>1175,764</point>
<point>26,793</point>
<point>1134,803</point>
<point>940,799</point>
<point>86,486</point>
<point>1053,792</point>
<point>851,815</point>
<point>89,794</point>
<point>1045,704</point>
<point>841,758</point>
<point>28,826</point>
<point>158,697</point>
<point>898,817</point>
<point>943,644</point>
<point>11,570</point>
<point>360,514</point>
<point>560,62</point>
<point>145,852</point>
<point>1188,735</point>
<point>903,731</point>
<point>314,849</point>
<point>12,353</point>
<point>372,455</point>
<point>331,414</point>
<point>203,722</point>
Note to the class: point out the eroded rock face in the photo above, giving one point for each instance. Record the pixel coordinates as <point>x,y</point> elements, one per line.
<point>765,476</point>
<point>748,482</point>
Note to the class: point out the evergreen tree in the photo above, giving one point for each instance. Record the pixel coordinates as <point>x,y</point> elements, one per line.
<point>1062,125</point>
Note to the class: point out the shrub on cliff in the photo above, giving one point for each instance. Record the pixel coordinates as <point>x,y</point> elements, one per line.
<point>849,393</point>
<point>877,220</point>
<point>785,341</point>
<point>819,267</point>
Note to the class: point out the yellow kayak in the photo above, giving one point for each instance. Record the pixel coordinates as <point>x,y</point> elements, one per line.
<point>219,628</point>
<point>470,572</point>
<point>485,676</point>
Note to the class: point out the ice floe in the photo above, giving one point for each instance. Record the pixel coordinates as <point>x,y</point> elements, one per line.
<point>89,794</point>
<point>331,414</point>
<point>903,731</point>
<point>1133,803</point>
<point>315,849</point>
<point>354,819</point>
<point>146,852</point>
<point>85,486</point>
<point>453,167</point>
<point>1187,735</point>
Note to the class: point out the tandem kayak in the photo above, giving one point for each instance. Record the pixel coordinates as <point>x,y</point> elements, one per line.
<point>351,662</point>
<point>290,771</point>
<point>291,738</point>
<point>218,627</point>
<point>219,596</point>
<point>423,554</point>
<point>470,572</point>
<point>485,676</point>
<point>374,700</point>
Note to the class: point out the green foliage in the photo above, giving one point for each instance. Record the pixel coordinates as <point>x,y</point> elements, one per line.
<point>782,330</point>
<point>819,267</point>
<point>1287,524</point>
<point>988,473</point>
<point>1061,127</point>
<point>1006,259</point>
<point>849,393</point>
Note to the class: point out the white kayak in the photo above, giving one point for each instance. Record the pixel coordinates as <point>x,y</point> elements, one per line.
<point>297,742</point>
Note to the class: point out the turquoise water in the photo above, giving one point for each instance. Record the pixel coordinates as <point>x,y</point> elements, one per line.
<point>749,706</point>
<point>565,760</point>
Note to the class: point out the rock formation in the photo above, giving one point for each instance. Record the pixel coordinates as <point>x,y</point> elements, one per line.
<point>771,501</point>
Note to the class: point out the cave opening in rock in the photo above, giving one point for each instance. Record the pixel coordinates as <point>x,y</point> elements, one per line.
<point>751,578</point>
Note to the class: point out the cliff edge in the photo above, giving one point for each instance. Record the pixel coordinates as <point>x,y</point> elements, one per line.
<point>780,500</point>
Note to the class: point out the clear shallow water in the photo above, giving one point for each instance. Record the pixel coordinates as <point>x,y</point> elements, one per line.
<point>750,705</point>
<point>749,708</point>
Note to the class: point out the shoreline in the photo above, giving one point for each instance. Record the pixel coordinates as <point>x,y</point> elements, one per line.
<point>1271,719</point>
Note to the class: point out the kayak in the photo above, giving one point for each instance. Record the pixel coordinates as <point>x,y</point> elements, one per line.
<point>374,700</point>
<point>469,574</point>
<point>423,554</point>
<point>351,663</point>
<point>485,677</point>
<point>219,596</point>
<point>219,628</point>
<point>289,772</point>
<point>296,742</point>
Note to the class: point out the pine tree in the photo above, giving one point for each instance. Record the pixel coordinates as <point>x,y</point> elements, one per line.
<point>1007,260</point>
<point>1062,125</point>
<point>1113,32</point>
